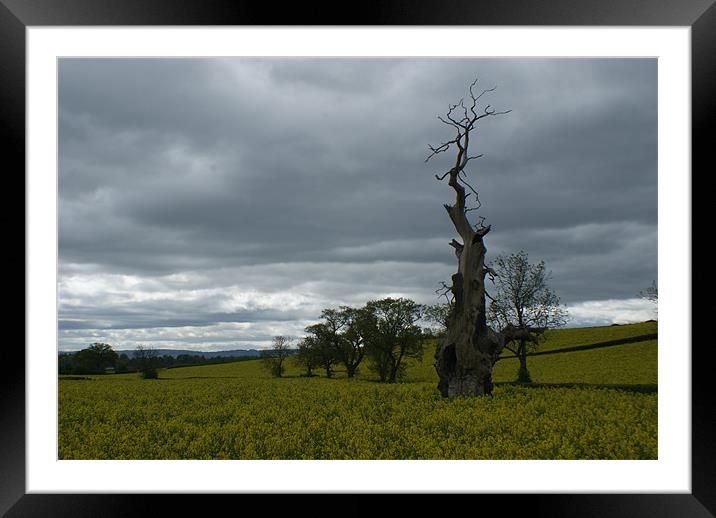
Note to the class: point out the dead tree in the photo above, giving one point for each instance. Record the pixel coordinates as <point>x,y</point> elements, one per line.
<point>465,358</point>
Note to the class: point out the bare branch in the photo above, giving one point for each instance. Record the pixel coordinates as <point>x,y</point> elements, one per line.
<point>486,270</point>
<point>488,112</point>
<point>485,91</point>
<point>459,247</point>
<point>443,291</point>
<point>442,147</point>
<point>449,114</point>
<point>472,158</point>
<point>482,231</point>
<point>453,124</point>
<point>464,180</point>
<point>457,178</point>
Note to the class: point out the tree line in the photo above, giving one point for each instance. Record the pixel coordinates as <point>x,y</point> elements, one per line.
<point>100,358</point>
<point>383,334</point>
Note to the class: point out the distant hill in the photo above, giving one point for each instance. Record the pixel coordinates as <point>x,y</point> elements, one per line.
<point>242,353</point>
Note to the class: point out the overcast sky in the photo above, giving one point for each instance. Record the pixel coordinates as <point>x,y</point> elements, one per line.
<point>215,203</point>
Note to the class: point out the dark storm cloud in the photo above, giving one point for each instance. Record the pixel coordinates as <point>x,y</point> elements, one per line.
<point>203,165</point>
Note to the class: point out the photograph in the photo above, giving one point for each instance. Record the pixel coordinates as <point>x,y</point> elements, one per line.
<point>389,249</point>
<point>357,258</point>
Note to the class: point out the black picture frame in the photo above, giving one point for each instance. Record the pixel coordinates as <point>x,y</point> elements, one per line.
<point>699,15</point>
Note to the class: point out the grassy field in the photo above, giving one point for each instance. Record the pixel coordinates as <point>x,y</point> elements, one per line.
<point>555,339</point>
<point>593,404</point>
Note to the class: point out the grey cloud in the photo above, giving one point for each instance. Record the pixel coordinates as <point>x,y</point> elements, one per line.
<point>203,165</point>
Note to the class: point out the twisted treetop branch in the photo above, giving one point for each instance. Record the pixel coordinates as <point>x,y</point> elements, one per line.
<point>463,121</point>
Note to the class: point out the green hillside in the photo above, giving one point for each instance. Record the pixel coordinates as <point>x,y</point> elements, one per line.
<point>598,403</point>
<point>557,368</point>
<point>632,363</point>
<point>569,337</point>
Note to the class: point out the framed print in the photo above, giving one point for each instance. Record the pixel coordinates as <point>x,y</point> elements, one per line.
<point>206,186</point>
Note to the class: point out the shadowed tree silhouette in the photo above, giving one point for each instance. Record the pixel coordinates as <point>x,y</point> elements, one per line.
<point>465,357</point>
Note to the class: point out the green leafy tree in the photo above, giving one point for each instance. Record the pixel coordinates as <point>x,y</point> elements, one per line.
<point>147,361</point>
<point>275,357</point>
<point>351,347</point>
<point>307,357</point>
<point>94,359</point>
<point>122,363</point>
<point>321,338</point>
<point>392,336</point>
<point>523,306</point>
<point>344,330</point>
<point>65,364</point>
<point>438,315</point>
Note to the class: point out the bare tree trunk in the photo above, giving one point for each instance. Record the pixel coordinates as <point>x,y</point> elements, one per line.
<point>465,358</point>
<point>523,375</point>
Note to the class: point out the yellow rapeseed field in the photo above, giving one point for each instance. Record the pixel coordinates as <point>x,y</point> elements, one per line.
<point>596,404</point>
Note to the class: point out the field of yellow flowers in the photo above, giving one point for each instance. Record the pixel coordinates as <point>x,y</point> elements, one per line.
<point>593,404</point>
